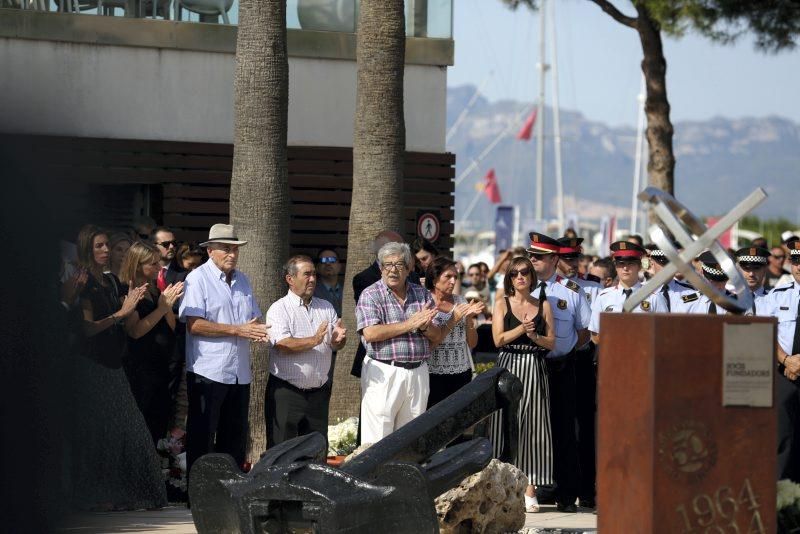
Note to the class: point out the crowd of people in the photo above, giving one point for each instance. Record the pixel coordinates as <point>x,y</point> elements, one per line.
<point>160,319</point>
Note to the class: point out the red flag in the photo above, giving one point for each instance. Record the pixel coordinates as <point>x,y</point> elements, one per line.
<point>527,128</point>
<point>491,189</point>
<point>726,239</point>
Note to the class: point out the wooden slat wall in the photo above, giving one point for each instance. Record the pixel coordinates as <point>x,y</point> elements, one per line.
<point>195,180</point>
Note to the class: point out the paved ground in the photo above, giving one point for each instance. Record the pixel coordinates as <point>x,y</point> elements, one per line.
<point>178,520</point>
<point>549,520</point>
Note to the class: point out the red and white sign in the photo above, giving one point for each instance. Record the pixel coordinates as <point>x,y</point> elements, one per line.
<point>428,226</point>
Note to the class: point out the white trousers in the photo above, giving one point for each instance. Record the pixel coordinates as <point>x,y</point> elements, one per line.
<point>390,397</point>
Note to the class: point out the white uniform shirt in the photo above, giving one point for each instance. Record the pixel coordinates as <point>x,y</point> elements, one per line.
<point>571,312</point>
<point>681,297</point>
<point>781,302</point>
<point>611,300</point>
<point>207,295</point>
<point>290,318</point>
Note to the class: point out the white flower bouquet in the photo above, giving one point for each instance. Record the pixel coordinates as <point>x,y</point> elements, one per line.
<point>342,437</point>
<point>788,507</point>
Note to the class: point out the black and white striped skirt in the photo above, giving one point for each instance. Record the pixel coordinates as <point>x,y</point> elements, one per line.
<point>535,449</point>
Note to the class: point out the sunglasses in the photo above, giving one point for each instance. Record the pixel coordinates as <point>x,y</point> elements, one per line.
<point>167,244</point>
<point>779,257</point>
<point>537,256</point>
<point>328,259</point>
<point>514,272</point>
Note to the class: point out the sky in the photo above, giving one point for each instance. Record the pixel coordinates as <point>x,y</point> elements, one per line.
<point>599,65</point>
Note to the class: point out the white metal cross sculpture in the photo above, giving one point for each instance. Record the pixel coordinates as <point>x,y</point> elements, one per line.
<point>690,232</point>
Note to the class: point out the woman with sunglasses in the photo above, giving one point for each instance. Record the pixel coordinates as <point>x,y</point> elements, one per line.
<point>151,333</point>
<point>114,463</point>
<point>450,365</point>
<point>522,327</point>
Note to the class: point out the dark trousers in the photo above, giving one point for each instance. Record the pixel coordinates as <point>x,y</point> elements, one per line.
<point>561,381</point>
<point>290,411</point>
<point>585,419</point>
<point>150,389</point>
<point>788,397</point>
<point>442,386</point>
<point>218,411</point>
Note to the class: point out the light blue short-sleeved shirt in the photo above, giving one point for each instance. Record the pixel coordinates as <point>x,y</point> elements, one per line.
<point>571,312</point>
<point>207,295</point>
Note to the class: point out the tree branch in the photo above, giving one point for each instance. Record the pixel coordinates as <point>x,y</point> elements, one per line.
<point>616,14</point>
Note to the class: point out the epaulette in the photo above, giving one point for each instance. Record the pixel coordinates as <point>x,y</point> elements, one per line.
<point>687,285</point>
<point>690,297</point>
<point>782,288</point>
<point>571,285</point>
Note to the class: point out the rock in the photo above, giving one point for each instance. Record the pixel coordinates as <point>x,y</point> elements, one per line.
<point>491,501</point>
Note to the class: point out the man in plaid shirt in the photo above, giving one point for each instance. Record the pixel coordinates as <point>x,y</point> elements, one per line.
<point>395,319</point>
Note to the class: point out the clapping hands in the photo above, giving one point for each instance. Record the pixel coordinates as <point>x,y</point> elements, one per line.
<point>170,295</point>
<point>129,301</point>
<point>73,285</point>
<point>254,331</point>
<point>468,310</point>
<point>339,335</point>
<point>422,319</point>
<point>530,326</point>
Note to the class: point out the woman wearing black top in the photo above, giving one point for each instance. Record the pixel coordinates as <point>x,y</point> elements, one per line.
<point>114,464</point>
<point>151,329</point>
<point>522,328</point>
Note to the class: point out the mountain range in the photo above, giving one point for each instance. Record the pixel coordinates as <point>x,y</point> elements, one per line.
<point>719,162</point>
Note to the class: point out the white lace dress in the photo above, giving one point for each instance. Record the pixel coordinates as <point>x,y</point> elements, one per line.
<point>453,355</point>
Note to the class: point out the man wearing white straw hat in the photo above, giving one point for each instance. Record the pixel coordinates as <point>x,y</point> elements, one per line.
<point>222,319</point>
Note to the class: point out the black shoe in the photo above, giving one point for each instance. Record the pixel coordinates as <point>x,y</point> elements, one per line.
<point>567,508</point>
<point>588,503</point>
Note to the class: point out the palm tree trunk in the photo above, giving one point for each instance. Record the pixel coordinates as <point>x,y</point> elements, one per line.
<point>661,165</point>
<point>378,154</point>
<point>259,201</point>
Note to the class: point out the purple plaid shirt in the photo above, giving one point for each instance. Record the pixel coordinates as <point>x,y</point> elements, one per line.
<point>377,305</point>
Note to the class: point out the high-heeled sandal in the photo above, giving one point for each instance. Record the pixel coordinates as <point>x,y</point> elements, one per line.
<point>531,505</point>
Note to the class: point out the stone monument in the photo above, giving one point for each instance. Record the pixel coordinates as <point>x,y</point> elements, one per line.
<point>687,425</point>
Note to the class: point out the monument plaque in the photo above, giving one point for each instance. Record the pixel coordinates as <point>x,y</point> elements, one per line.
<point>671,457</point>
<point>748,357</point>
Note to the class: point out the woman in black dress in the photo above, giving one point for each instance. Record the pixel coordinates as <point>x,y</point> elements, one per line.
<point>114,463</point>
<point>151,332</point>
<point>522,328</point>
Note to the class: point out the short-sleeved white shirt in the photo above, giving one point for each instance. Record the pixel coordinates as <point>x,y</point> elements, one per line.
<point>289,318</point>
<point>612,298</point>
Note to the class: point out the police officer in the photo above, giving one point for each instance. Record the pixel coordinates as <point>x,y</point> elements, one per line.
<point>571,317</point>
<point>585,374</point>
<point>783,302</point>
<point>680,296</point>
<point>717,278</point>
<point>752,261</point>
<point>628,262</point>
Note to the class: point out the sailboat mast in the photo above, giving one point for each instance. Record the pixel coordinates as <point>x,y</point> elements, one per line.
<point>542,66</point>
<point>557,126</point>
<point>637,169</point>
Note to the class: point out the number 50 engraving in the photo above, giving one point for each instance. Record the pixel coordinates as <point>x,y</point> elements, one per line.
<point>718,514</point>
